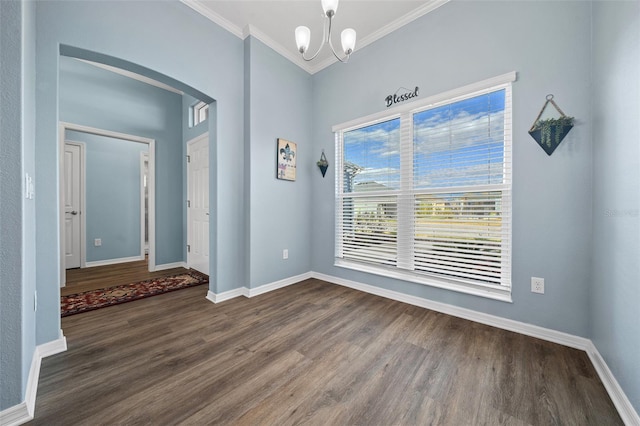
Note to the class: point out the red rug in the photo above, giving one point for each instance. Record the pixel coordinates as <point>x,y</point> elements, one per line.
<point>95,299</point>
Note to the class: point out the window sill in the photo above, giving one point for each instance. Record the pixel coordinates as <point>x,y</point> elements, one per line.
<point>489,292</point>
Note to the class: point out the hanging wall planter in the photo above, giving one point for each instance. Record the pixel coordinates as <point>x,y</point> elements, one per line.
<point>323,164</point>
<point>550,132</point>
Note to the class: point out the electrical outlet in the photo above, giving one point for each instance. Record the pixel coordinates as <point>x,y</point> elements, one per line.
<point>97,242</point>
<point>285,254</point>
<point>537,285</point>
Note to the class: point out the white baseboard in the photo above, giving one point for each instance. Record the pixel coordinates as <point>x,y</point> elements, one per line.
<point>16,415</point>
<point>113,261</point>
<point>620,400</point>
<point>227,295</point>
<point>23,412</point>
<point>623,405</point>
<point>166,266</point>
<point>251,292</point>
<point>265,288</point>
<point>617,395</point>
<point>480,317</point>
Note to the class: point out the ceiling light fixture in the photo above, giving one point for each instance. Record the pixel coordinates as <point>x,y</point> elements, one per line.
<point>348,36</point>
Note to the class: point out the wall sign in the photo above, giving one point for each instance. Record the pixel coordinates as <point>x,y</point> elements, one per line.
<point>397,98</point>
<point>286,153</point>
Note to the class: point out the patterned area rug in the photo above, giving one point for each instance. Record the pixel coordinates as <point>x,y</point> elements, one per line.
<point>95,299</point>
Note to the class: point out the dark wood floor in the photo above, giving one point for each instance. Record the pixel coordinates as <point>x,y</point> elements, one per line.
<point>85,279</point>
<point>312,353</point>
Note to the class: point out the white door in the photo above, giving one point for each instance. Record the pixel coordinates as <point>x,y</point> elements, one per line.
<point>198,203</point>
<point>72,203</point>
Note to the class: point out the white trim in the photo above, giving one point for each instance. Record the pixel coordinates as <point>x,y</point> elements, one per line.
<point>212,16</point>
<point>144,157</point>
<point>427,7</point>
<point>494,292</point>
<point>265,288</point>
<point>53,347</point>
<point>63,127</point>
<point>166,266</point>
<point>310,67</point>
<point>23,412</point>
<point>620,400</point>
<point>251,30</point>
<point>16,415</point>
<point>114,261</point>
<point>468,314</point>
<point>133,75</point>
<point>617,395</point>
<point>252,292</point>
<point>623,405</point>
<point>227,295</point>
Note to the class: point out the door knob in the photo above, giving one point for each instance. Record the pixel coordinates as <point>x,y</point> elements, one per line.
<point>74,212</point>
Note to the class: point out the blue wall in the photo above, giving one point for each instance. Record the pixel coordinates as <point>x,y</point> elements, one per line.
<point>17,214</point>
<point>112,195</point>
<point>201,55</point>
<point>615,293</point>
<point>28,205</point>
<point>279,95</point>
<point>11,203</point>
<point>591,281</point>
<point>458,44</point>
<point>95,97</point>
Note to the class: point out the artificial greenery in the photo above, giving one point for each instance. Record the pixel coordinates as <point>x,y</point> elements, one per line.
<point>546,126</point>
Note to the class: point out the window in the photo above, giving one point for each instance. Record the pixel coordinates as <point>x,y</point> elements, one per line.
<point>425,193</point>
<point>199,113</point>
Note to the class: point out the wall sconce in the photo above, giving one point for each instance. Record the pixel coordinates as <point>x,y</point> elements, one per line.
<point>323,164</point>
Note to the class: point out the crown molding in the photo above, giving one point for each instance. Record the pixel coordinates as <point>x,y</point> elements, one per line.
<point>251,30</point>
<point>429,6</point>
<point>309,67</point>
<point>212,16</point>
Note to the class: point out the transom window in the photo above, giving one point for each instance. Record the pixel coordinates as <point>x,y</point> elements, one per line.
<point>199,113</point>
<point>425,191</point>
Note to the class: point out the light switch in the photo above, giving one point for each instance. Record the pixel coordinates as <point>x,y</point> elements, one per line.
<point>28,187</point>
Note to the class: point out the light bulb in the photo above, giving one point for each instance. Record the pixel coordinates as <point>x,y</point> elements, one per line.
<point>330,7</point>
<point>348,38</point>
<point>303,37</point>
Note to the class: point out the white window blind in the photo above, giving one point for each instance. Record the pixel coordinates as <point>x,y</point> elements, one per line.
<point>425,194</point>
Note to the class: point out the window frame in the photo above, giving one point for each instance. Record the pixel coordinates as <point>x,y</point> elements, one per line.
<point>195,112</point>
<point>406,193</point>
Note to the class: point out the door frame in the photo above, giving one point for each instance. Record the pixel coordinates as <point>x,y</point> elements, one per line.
<point>144,157</point>
<point>63,127</point>
<point>205,135</point>
<point>83,203</point>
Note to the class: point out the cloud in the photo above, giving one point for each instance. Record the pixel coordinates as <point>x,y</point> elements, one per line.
<point>438,133</point>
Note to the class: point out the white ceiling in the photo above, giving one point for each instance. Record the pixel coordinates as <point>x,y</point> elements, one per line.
<point>274,21</point>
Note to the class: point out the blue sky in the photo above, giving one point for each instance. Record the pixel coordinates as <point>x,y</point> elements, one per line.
<point>455,144</point>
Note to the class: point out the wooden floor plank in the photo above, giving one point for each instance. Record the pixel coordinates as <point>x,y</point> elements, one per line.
<point>98,277</point>
<point>311,353</point>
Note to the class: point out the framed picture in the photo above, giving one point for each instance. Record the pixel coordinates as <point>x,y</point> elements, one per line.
<point>286,154</point>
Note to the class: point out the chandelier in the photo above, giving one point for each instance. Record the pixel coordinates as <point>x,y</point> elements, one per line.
<point>347,37</point>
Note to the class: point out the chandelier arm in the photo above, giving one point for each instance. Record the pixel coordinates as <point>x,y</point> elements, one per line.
<point>346,59</point>
<point>324,38</point>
